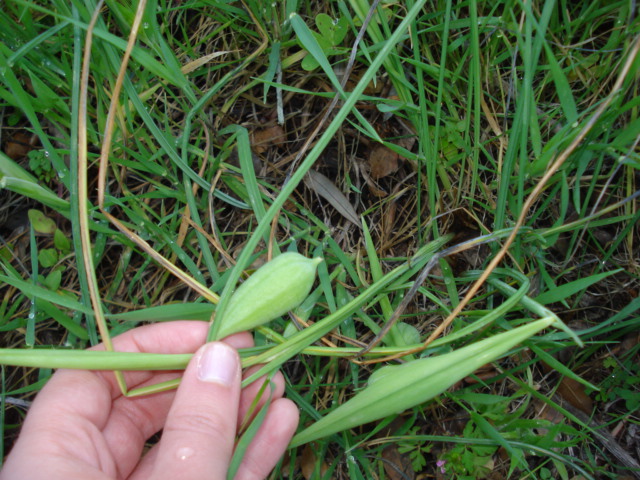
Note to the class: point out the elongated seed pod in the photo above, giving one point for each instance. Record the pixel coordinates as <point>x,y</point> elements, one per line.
<point>275,288</point>
<point>395,388</point>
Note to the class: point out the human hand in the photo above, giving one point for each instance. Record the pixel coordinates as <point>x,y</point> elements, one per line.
<point>80,426</point>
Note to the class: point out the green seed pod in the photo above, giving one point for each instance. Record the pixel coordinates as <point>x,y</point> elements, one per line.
<point>275,288</point>
<point>395,388</point>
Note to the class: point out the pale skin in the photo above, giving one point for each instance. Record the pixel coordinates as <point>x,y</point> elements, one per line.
<point>80,426</point>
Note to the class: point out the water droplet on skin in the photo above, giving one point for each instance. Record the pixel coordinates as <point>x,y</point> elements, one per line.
<point>184,453</point>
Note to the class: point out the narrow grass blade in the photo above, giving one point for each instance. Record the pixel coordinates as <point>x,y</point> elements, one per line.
<point>34,291</point>
<point>247,437</point>
<point>563,292</point>
<point>13,177</point>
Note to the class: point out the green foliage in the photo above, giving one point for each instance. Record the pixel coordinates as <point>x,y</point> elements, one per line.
<point>49,257</point>
<point>493,423</point>
<point>478,98</point>
<point>61,241</point>
<point>40,165</point>
<point>41,223</point>
<point>330,35</point>
<point>621,382</point>
<point>417,451</point>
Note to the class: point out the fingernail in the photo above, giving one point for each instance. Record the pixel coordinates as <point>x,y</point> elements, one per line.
<point>218,363</point>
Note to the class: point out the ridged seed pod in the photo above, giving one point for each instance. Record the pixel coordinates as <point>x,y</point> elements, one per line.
<point>395,388</point>
<point>275,288</point>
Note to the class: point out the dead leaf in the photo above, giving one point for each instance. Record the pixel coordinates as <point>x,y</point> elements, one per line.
<point>308,463</point>
<point>18,146</point>
<point>396,464</point>
<point>382,161</point>
<point>545,412</point>
<point>573,392</point>
<point>264,138</point>
<point>327,190</point>
<point>406,142</point>
<point>373,188</point>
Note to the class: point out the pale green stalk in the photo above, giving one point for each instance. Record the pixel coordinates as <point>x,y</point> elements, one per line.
<point>92,359</point>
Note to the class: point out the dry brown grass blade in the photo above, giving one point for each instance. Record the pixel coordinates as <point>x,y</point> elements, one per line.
<point>533,196</point>
<point>186,217</point>
<point>82,184</point>
<point>83,201</point>
<point>213,238</point>
<point>104,161</point>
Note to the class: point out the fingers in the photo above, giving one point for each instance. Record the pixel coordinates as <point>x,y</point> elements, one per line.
<point>262,455</point>
<point>199,433</point>
<point>77,403</point>
<point>105,431</point>
<point>273,390</point>
<point>132,420</point>
<point>270,442</point>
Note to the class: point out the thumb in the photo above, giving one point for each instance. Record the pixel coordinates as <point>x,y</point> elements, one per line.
<point>199,434</point>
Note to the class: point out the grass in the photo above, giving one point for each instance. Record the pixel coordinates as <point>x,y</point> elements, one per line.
<point>514,127</point>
